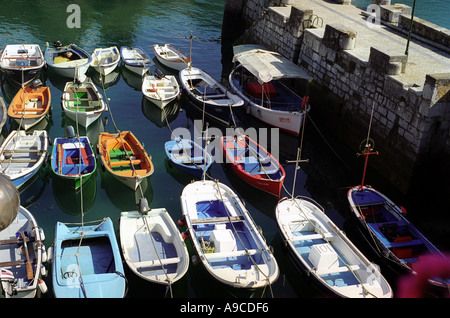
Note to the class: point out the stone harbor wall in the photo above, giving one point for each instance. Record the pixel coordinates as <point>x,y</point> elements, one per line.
<point>410,121</point>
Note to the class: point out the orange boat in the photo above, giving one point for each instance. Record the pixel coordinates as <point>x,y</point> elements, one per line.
<point>125,157</point>
<point>30,106</point>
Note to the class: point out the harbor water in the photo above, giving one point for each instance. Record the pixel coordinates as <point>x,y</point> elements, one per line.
<point>331,170</point>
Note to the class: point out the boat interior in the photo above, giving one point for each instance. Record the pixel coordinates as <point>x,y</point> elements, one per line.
<point>394,232</point>
<point>155,253</point>
<point>76,159</point>
<point>92,254</point>
<point>314,244</point>
<point>251,159</point>
<point>274,95</point>
<point>226,241</point>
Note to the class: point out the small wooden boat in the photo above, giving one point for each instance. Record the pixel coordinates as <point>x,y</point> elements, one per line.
<point>188,156</point>
<point>208,95</point>
<point>135,59</point>
<point>82,102</point>
<point>389,233</point>
<point>22,252</point>
<point>105,60</point>
<point>171,57</point>
<point>68,61</point>
<point>3,113</point>
<point>30,105</point>
<point>160,89</point>
<point>73,159</point>
<point>22,154</point>
<point>225,237</point>
<point>259,80</point>
<point>86,261</point>
<point>321,250</point>
<point>152,246</point>
<point>125,158</point>
<point>252,163</point>
<point>22,63</point>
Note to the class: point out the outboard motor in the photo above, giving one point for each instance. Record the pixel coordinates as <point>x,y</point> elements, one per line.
<point>57,44</point>
<point>143,206</point>
<point>70,132</point>
<point>7,282</point>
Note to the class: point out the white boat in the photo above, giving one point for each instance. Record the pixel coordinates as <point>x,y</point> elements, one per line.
<point>319,248</point>
<point>208,95</point>
<point>152,245</point>
<point>82,102</point>
<point>135,59</point>
<point>22,63</point>
<point>160,89</point>
<point>258,80</point>
<point>22,252</point>
<point>68,61</point>
<point>171,57</point>
<point>105,60</point>
<point>225,237</point>
<point>22,154</point>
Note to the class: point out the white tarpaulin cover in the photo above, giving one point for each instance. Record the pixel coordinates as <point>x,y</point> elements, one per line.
<point>266,65</point>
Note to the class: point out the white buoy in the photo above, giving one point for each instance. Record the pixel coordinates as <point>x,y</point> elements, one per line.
<point>42,286</point>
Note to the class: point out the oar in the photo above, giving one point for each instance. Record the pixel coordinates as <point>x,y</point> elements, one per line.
<point>29,268</point>
<point>60,158</point>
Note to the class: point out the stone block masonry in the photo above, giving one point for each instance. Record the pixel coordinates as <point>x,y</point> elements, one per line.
<point>361,67</point>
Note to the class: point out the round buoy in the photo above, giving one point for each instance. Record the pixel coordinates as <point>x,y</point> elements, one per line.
<point>9,202</point>
<point>181,222</point>
<point>195,260</point>
<point>185,235</point>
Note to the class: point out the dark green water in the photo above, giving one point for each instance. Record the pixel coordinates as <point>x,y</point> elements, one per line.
<point>332,168</point>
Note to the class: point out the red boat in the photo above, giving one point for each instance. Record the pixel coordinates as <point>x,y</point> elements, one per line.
<point>253,163</point>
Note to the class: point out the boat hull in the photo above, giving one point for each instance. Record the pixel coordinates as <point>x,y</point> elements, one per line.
<point>152,246</point>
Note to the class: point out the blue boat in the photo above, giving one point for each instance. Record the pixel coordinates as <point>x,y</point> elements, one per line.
<point>87,262</point>
<point>390,234</point>
<point>386,229</point>
<point>73,159</point>
<point>188,156</point>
